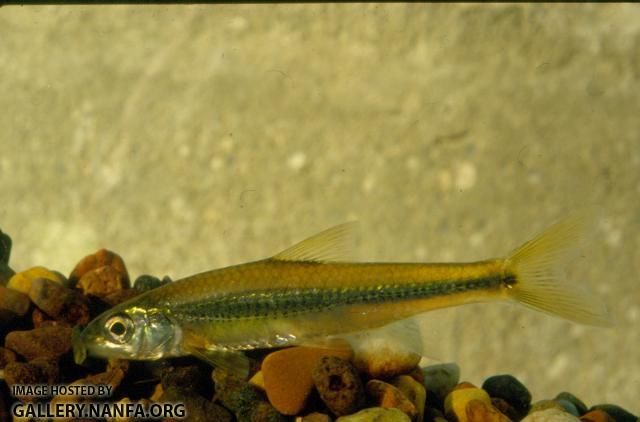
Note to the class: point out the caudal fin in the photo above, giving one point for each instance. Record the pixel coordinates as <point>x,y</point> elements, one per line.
<point>539,283</point>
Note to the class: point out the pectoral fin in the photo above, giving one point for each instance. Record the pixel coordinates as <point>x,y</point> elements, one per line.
<point>234,362</point>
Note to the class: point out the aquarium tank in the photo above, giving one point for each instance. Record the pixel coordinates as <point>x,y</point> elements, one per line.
<point>320,212</point>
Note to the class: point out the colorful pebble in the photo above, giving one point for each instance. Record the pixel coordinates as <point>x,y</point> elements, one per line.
<point>597,416</point>
<point>45,342</point>
<point>12,303</point>
<point>101,258</point>
<point>385,363</point>
<point>455,403</point>
<point>288,377</point>
<point>386,395</point>
<point>22,281</point>
<point>339,385</point>
<point>103,281</point>
<point>414,391</point>
<point>59,302</point>
<point>479,411</point>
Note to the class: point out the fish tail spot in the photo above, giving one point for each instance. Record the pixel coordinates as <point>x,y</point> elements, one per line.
<point>534,276</point>
<point>510,280</point>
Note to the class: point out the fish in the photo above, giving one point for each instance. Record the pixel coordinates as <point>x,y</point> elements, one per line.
<point>309,294</point>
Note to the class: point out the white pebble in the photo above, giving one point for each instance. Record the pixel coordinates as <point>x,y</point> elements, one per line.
<point>550,415</point>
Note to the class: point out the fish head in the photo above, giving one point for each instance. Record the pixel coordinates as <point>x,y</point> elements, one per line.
<point>128,332</point>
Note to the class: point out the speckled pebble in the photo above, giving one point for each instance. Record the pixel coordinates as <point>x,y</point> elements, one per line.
<point>6,356</point>
<point>338,385</point>
<point>386,395</point>
<point>385,363</point>
<point>103,281</point>
<point>12,303</point>
<point>190,376</point>
<point>441,379</point>
<point>616,412</point>
<point>550,415</point>
<point>262,412</point>
<point>455,403</point>
<point>37,371</point>
<point>101,258</point>
<point>414,391</point>
<point>376,414</point>
<point>579,404</point>
<point>479,411</point>
<point>509,388</point>
<point>597,416</point>
<point>60,302</point>
<point>288,376</point>
<point>238,396</point>
<point>22,281</point>
<point>198,408</point>
<point>47,342</point>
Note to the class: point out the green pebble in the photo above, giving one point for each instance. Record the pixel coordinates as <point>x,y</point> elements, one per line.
<point>579,404</point>
<point>5,274</point>
<point>568,406</point>
<point>508,388</point>
<point>616,412</point>
<point>5,248</point>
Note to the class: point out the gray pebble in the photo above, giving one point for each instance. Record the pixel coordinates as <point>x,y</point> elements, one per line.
<point>440,379</point>
<point>579,404</point>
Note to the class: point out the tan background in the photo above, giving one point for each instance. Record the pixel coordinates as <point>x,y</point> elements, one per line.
<point>187,138</point>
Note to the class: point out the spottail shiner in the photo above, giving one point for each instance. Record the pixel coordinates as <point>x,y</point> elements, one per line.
<point>306,296</point>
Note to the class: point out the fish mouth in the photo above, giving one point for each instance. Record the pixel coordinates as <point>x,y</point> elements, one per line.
<point>79,347</point>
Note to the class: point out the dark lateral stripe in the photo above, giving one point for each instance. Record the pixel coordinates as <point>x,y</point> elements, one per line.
<point>259,304</point>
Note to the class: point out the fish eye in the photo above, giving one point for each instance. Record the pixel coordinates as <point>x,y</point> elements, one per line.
<point>120,328</point>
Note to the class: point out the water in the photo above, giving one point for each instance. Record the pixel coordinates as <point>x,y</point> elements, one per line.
<point>188,138</point>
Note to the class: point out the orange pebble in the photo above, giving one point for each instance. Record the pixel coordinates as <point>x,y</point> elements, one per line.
<point>96,260</point>
<point>287,375</point>
<point>596,416</point>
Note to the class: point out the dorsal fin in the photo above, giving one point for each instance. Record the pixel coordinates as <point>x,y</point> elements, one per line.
<point>334,244</point>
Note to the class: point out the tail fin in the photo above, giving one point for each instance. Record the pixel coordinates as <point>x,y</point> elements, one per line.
<point>537,266</point>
